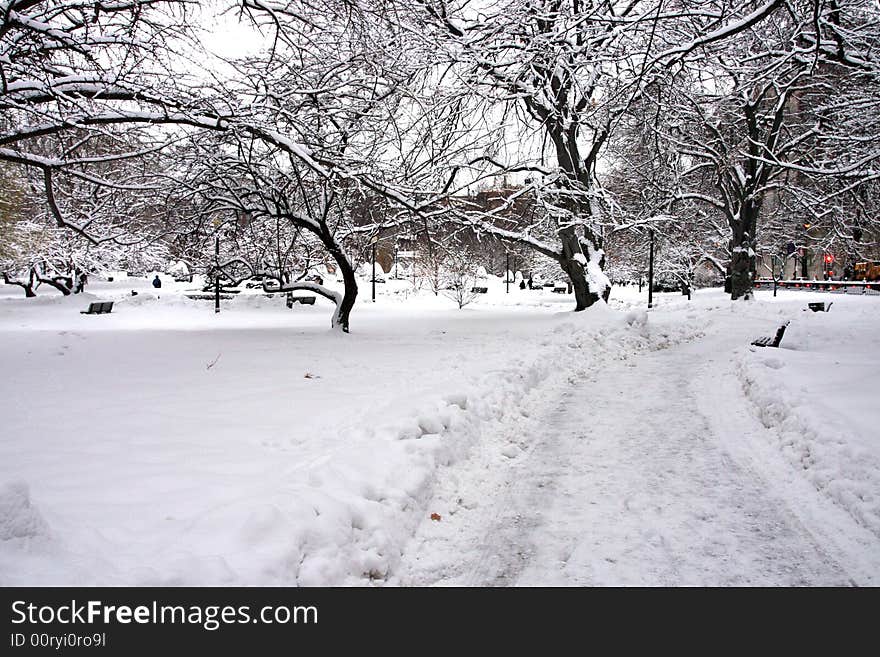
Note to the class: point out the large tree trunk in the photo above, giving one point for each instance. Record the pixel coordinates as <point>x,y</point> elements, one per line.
<point>572,265</point>
<point>740,274</point>
<point>743,261</point>
<point>583,296</point>
<point>573,259</point>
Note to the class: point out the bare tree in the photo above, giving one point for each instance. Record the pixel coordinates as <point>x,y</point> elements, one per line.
<point>416,104</point>
<point>459,278</point>
<point>322,106</point>
<point>564,73</point>
<point>71,70</point>
<point>749,123</point>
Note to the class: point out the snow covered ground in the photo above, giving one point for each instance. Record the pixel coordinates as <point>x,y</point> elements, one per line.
<point>511,442</point>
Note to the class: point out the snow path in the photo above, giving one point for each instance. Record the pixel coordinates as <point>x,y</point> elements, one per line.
<point>685,491</point>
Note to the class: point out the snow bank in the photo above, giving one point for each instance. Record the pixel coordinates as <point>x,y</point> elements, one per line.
<point>19,519</point>
<point>27,545</point>
<point>813,394</point>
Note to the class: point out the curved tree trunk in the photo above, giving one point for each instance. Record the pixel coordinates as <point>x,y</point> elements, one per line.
<point>343,309</point>
<point>61,283</point>
<point>27,286</point>
<point>344,302</point>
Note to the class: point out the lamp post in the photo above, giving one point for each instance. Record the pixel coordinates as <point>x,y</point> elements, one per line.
<point>651,268</point>
<point>373,242</point>
<point>777,277</point>
<point>507,273</point>
<point>217,274</point>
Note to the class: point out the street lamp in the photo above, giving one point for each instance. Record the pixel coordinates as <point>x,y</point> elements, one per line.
<point>216,224</point>
<point>651,269</point>
<point>217,274</point>
<point>373,242</point>
<point>774,261</point>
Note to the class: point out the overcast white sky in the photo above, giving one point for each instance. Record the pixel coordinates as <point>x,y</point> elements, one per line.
<point>224,34</point>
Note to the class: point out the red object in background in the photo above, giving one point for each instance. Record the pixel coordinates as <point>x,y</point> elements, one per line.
<point>829,258</point>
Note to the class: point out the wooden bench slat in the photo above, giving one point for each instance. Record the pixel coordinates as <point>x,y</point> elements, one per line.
<point>303,300</point>
<point>775,340</point>
<point>98,308</point>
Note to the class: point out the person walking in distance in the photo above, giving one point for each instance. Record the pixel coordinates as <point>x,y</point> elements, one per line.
<point>81,281</point>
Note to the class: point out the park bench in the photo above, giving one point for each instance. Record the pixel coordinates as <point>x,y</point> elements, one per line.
<point>209,289</point>
<point>560,290</point>
<point>819,306</point>
<point>774,341</point>
<point>480,290</point>
<point>98,308</point>
<point>200,296</point>
<point>305,300</point>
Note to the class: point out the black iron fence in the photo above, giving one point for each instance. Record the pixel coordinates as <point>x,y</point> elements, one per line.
<point>843,287</point>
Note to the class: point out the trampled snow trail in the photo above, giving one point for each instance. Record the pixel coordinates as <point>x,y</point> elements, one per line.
<point>641,476</point>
